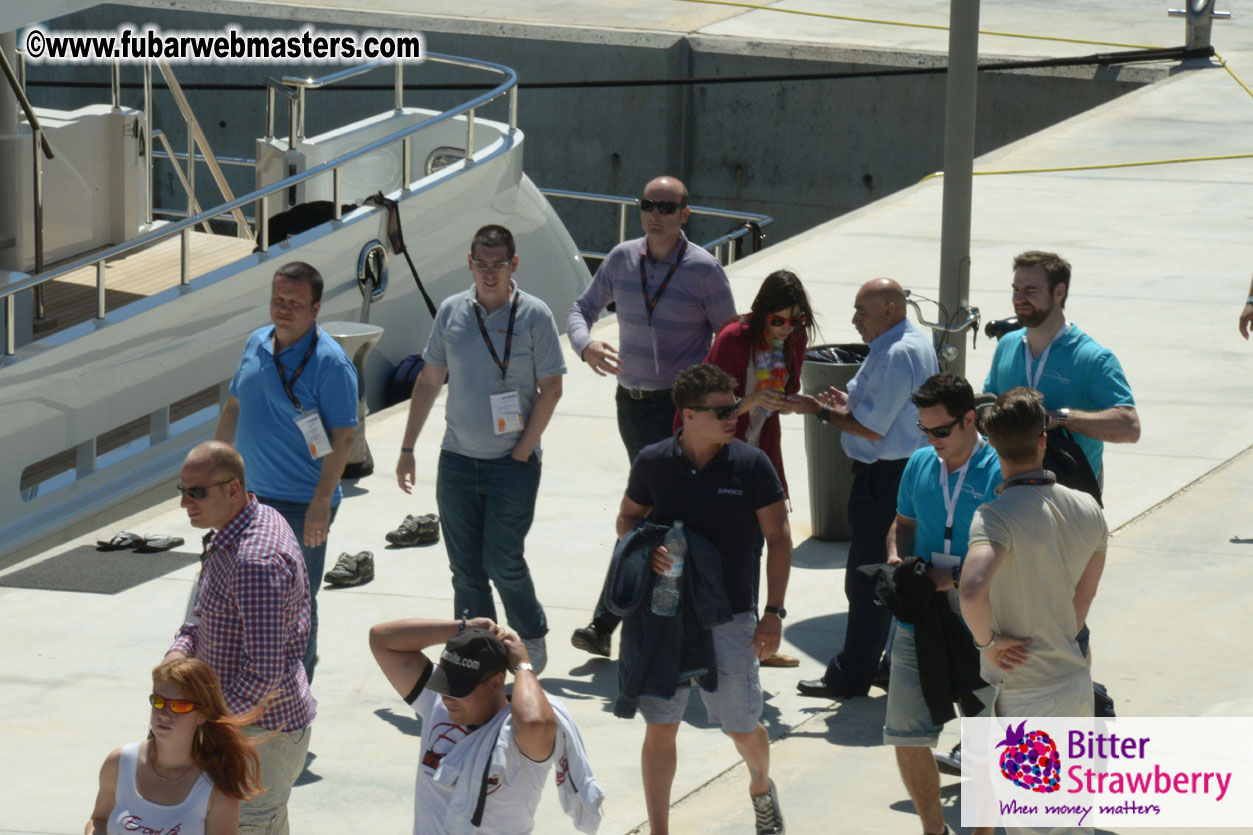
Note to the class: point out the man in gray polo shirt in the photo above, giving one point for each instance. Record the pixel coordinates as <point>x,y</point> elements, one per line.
<point>502,348</point>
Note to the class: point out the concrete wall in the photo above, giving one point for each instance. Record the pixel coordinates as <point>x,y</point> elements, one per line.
<point>801,151</point>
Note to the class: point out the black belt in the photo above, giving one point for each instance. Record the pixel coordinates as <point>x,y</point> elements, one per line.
<point>644,394</point>
<point>858,466</point>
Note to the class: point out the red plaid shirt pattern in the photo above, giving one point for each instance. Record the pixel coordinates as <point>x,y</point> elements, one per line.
<point>251,618</point>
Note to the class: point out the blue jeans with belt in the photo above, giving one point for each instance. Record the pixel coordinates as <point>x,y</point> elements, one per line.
<point>871,511</point>
<point>315,563</point>
<point>486,506</point>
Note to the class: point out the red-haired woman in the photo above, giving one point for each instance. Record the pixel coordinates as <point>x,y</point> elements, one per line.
<point>191,773</point>
<point>763,352</point>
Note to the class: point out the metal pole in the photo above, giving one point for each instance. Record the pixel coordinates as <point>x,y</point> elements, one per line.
<point>116,79</point>
<point>184,273</point>
<point>269,113</point>
<point>148,138</point>
<point>406,163</point>
<point>191,170</point>
<point>959,151</point>
<point>470,135</point>
<point>337,210</point>
<point>400,86</point>
<point>100,294</point>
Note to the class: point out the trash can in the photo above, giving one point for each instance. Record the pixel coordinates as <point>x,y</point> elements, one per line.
<point>357,340</point>
<point>830,470</point>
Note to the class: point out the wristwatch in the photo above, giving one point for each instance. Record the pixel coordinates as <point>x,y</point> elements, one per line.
<point>988,645</point>
<point>824,414</point>
<point>523,665</point>
<point>778,611</point>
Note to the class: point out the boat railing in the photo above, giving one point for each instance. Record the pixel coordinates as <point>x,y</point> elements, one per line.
<point>724,247</point>
<point>260,197</point>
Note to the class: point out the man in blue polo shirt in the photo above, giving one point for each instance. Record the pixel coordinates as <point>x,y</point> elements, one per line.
<point>941,487</point>
<point>1084,388</point>
<point>879,422</point>
<point>293,419</point>
<point>502,349</point>
<point>726,491</point>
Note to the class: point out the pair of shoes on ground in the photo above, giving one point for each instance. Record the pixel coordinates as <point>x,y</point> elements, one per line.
<point>950,763</point>
<point>766,810</point>
<point>351,569</point>
<point>149,543</point>
<point>537,651</point>
<point>592,640</point>
<point>416,530</point>
<point>820,689</point>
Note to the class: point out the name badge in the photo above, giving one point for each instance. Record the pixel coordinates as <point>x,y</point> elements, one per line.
<point>506,412</point>
<point>945,561</point>
<point>311,429</point>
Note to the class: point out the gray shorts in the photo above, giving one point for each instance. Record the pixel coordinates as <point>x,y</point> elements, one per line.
<point>908,722</point>
<point>737,703</point>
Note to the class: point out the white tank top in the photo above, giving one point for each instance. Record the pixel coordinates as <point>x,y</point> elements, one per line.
<point>133,815</point>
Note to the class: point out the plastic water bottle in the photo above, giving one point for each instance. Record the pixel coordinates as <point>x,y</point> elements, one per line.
<point>666,587</point>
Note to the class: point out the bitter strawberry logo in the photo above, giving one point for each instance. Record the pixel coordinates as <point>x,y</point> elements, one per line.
<point>1030,760</point>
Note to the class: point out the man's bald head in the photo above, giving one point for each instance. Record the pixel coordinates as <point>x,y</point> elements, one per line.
<point>666,187</point>
<point>879,307</point>
<point>212,484</point>
<point>221,459</point>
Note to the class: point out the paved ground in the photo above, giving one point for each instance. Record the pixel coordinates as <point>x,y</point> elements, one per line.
<point>1161,261</point>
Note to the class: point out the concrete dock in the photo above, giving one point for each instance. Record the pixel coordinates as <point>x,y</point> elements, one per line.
<point>1161,259</point>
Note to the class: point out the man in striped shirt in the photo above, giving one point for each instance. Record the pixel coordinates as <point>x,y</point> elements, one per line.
<point>250,622</point>
<point>670,297</point>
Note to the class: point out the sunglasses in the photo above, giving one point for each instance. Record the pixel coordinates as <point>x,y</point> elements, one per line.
<point>939,431</point>
<point>199,493</point>
<point>720,412</point>
<point>666,207</point>
<point>796,321</point>
<point>176,705</point>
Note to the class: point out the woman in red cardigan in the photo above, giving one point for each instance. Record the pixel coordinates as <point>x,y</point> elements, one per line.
<point>763,352</point>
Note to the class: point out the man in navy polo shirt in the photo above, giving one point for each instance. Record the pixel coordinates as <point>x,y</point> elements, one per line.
<point>942,485</point>
<point>727,491</point>
<point>292,413</point>
<point>498,347</point>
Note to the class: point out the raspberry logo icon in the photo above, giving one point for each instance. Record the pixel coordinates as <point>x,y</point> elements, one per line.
<point>1030,760</point>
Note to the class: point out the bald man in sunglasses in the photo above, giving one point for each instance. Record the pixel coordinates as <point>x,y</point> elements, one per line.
<point>670,297</point>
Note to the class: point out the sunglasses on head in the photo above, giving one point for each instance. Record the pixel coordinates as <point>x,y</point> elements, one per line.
<point>199,493</point>
<point>720,412</point>
<point>666,207</point>
<point>176,705</point>
<point>796,321</point>
<point>939,431</point>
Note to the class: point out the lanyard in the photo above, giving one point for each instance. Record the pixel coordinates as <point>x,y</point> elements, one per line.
<point>950,502</point>
<point>1034,381</point>
<point>651,304</point>
<point>300,369</point>
<point>513,314</point>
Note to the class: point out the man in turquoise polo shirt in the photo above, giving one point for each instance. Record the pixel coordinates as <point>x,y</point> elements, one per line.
<point>291,414</point>
<point>1084,388</point>
<point>941,487</point>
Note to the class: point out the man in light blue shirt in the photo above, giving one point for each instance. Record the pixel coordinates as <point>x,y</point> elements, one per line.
<point>502,349</point>
<point>879,422</point>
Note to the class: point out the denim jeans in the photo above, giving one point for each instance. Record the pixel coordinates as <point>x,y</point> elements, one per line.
<point>871,511</point>
<point>315,563</point>
<point>485,510</point>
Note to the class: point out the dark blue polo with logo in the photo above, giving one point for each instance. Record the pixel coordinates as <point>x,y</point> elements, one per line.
<point>720,502</point>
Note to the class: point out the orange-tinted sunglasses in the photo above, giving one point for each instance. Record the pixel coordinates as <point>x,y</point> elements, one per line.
<point>176,705</point>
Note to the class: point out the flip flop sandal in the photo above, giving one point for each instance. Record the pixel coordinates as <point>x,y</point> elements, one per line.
<point>153,543</point>
<point>120,542</point>
<point>781,660</point>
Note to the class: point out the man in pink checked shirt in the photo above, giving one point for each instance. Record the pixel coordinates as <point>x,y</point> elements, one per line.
<point>250,622</point>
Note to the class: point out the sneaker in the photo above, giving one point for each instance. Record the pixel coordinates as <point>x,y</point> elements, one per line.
<point>351,570</point>
<point>537,650</point>
<point>950,763</point>
<point>590,639</point>
<point>766,808</point>
<point>416,530</point>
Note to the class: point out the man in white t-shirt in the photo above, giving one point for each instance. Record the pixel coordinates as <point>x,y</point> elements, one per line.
<point>1031,572</point>
<point>463,709</point>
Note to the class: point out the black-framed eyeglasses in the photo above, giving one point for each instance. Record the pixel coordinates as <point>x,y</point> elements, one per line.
<point>939,431</point>
<point>666,207</point>
<point>720,412</point>
<point>199,493</point>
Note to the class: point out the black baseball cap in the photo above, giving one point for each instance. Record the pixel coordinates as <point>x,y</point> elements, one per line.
<point>469,657</point>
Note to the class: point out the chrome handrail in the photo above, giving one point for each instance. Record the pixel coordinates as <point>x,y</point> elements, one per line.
<point>717,246</point>
<point>261,195</point>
